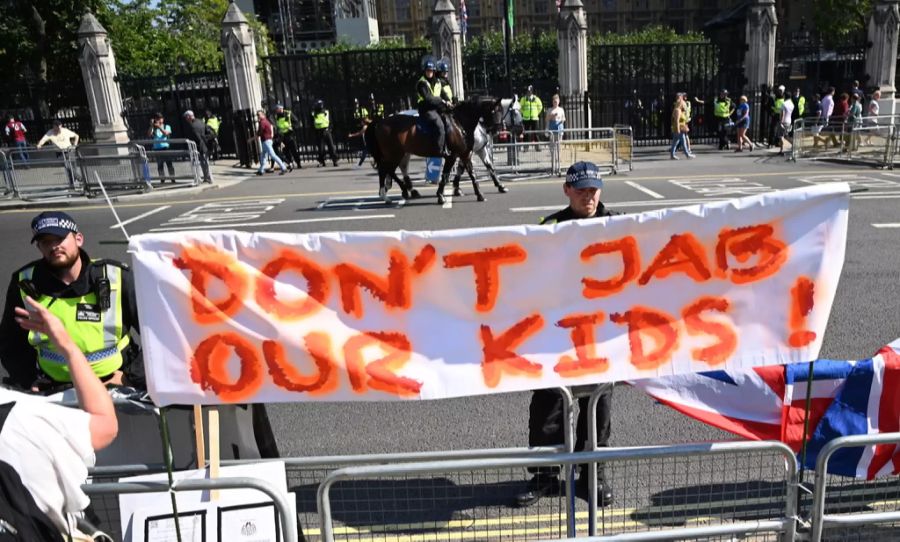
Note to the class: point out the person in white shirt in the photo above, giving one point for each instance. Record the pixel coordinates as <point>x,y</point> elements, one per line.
<point>872,112</point>
<point>51,446</point>
<point>784,128</point>
<point>824,116</point>
<point>63,138</point>
<point>556,120</point>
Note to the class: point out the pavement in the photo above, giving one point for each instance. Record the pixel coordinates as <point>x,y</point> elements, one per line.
<point>864,316</point>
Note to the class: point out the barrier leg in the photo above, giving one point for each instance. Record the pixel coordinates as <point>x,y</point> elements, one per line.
<point>569,441</point>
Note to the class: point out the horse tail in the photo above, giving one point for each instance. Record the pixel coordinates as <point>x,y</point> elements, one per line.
<point>371,141</point>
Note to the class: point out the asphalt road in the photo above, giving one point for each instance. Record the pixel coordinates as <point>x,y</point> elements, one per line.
<point>312,200</point>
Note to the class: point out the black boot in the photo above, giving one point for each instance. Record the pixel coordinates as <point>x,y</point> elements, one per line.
<point>539,486</point>
<point>604,493</point>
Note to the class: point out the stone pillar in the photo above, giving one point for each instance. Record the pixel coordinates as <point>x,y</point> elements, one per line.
<point>759,61</point>
<point>881,67</point>
<point>240,61</point>
<point>98,69</point>
<point>446,43</point>
<point>571,37</point>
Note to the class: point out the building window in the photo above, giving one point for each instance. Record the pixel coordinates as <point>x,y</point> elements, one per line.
<point>403,10</point>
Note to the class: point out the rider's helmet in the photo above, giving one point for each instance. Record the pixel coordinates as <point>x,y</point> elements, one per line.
<point>319,105</point>
<point>442,66</point>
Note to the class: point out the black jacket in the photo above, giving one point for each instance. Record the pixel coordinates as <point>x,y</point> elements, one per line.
<point>20,359</point>
<point>567,214</point>
<point>198,132</point>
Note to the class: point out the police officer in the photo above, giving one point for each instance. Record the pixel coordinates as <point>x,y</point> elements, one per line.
<point>582,186</point>
<point>430,104</point>
<point>376,109</point>
<point>443,70</point>
<point>799,105</point>
<point>723,108</point>
<point>94,299</point>
<point>360,113</point>
<point>322,125</point>
<point>285,120</point>
<point>214,122</point>
<point>531,107</point>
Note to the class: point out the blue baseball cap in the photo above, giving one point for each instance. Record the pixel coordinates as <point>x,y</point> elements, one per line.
<point>55,223</point>
<point>584,175</point>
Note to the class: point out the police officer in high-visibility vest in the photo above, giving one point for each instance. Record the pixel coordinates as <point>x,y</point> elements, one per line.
<point>285,121</point>
<point>723,108</point>
<point>322,125</point>
<point>430,104</point>
<point>799,105</point>
<point>531,108</point>
<point>94,299</point>
<point>775,118</point>
<point>376,109</point>
<point>443,70</point>
<point>212,143</point>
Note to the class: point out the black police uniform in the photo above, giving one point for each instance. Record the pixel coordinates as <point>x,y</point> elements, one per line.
<point>19,357</point>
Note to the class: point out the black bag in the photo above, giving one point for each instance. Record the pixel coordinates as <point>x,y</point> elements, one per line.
<point>20,518</point>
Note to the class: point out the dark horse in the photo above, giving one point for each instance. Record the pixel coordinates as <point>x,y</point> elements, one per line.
<point>389,141</point>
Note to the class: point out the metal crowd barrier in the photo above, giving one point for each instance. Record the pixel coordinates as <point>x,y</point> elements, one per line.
<point>42,172</point>
<point>852,507</point>
<point>120,167</point>
<point>543,151</point>
<point>177,163</point>
<point>872,140</point>
<point>289,528</point>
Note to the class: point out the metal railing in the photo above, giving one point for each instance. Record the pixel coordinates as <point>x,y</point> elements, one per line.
<point>288,525</point>
<point>546,152</point>
<point>870,139</point>
<point>851,502</point>
<point>44,172</point>
<point>120,167</point>
<point>177,162</point>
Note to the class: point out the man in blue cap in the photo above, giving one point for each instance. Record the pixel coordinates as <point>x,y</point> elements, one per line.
<point>583,186</point>
<point>94,299</point>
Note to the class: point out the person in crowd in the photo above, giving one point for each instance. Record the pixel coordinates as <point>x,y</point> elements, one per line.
<point>50,447</point>
<point>87,295</point>
<point>556,123</point>
<point>837,119</point>
<point>799,105</point>
<point>723,109</point>
<point>583,187</point>
<point>634,111</point>
<point>826,110</point>
<point>679,128</point>
<point>15,135</point>
<point>814,110</point>
<point>285,123</point>
<point>872,112</point>
<point>159,132</point>
<point>264,133</point>
<point>531,107</point>
<point>856,91</point>
<point>689,114</point>
<point>742,123</point>
<point>853,124</point>
<point>376,108</point>
<point>363,118</point>
<point>322,125</point>
<point>199,132</point>
<point>212,142</point>
<point>64,140</point>
<point>784,127</point>
<point>658,112</point>
<point>776,102</point>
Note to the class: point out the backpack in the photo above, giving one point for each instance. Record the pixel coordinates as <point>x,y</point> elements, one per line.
<point>20,518</point>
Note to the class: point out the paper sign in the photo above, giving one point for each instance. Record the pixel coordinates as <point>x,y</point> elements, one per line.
<point>241,317</point>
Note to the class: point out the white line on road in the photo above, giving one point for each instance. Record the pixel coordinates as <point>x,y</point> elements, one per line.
<point>887,225</point>
<point>645,190</point>
<point>448,198</point>
<point>138,217</point>
<point>276,222</point>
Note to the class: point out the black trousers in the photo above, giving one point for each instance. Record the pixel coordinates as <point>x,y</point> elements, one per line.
<point>437,123</point>
<point>323,138</point>
<point>530,126</point>
<point>722,127</point>
<point>291,154</point>
<point>546,422</point>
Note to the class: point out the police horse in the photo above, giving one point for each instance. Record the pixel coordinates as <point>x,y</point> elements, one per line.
<point>392,140</point>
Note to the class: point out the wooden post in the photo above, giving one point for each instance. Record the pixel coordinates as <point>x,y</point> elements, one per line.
<point>213,449</point>
<point>199,438</point>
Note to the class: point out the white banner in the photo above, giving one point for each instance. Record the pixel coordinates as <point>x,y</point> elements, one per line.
<point>265,317</point>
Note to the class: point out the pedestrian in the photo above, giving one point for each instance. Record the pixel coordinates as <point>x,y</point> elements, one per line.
<point>15,135</point>
<point>50,447</point>
<point>362,116</point>
<point>285,121</point>
<point>856,91</point>
<point>775,117</point>
<point>854,123</point>
<point>784,127</point>
<point>531,108</point>
<point>198,132</point>
<point>658,113</point>
<point>87,295</point>
<point>64,140</point>
<point>679,128</point>
<point>799,105</point>
<point>742,123</point>
<point>322,125</point>
<point>556,121</point>
<point>159,132</point>
<point>212,142</point>
<point>838,119</point>
<point>583,187</point>
<point>264,134</point>
<point>723,109</point>
<point>872,111</point>
<point>826,110</point>
<point>689,114</point>
<point>634,111</point>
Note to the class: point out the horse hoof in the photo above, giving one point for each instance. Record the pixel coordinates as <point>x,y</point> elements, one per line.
<point>415,194</point>
<point>404,194</point>
<point>502,189</point>
<point>382,192</point>
<point>440,199</point>
<point>457,192</point>
<point>480,197</point>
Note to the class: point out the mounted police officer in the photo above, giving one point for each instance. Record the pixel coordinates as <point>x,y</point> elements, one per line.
<point>285,121</point>
<point>723,108</point>
<point>94,299</point>
<point>442,75</point>
<point>322,125</point>
<point>431,104</point>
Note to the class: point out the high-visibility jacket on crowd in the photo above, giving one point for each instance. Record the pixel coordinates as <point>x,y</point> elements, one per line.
<point>283,122</point>
<point>434,85</point>
<point>96,332</point>
<point>776,109</point>
<point>447,90</point>
<point>360,113</point>
<point>531,107</point>
<point>378,110</point>
<point>801,105</point>
<point>722,108</point>
<point>320,120</point>
<point>213,123</point>
<point>687,110</point>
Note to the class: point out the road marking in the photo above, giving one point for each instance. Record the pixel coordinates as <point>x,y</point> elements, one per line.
<point>448,198</point>
<point>365,201</point>
<point>274,223</point>
<point>721,186</point>
<point>225,212</point>
<point>855,181</point>
<point>887,225</point>
<point>647,191</point>
<point>140,216</point>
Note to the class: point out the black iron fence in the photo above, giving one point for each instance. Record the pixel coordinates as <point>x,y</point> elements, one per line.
<point>38,104</point>
<point>637,84</point>
<point>812,65</point>
<point>485,73</point>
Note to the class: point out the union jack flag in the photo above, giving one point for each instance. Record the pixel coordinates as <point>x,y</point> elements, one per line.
<point>769,403</point>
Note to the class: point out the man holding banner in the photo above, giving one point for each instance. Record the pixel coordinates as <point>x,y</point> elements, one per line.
<point>583,186</point>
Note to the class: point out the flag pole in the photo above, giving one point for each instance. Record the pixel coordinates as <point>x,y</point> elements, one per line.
<point>809,386</point>
<point>507,38</point>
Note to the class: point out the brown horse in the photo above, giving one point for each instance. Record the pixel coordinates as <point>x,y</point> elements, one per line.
<point>389,141</point>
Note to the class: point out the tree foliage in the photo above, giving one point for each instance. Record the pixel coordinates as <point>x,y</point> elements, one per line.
<point>839,21</point>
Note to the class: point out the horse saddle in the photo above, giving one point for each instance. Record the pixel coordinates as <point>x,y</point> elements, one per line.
<point>423,126</point>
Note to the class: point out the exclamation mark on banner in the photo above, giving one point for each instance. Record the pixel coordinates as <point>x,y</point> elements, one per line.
<point>801,306</point>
